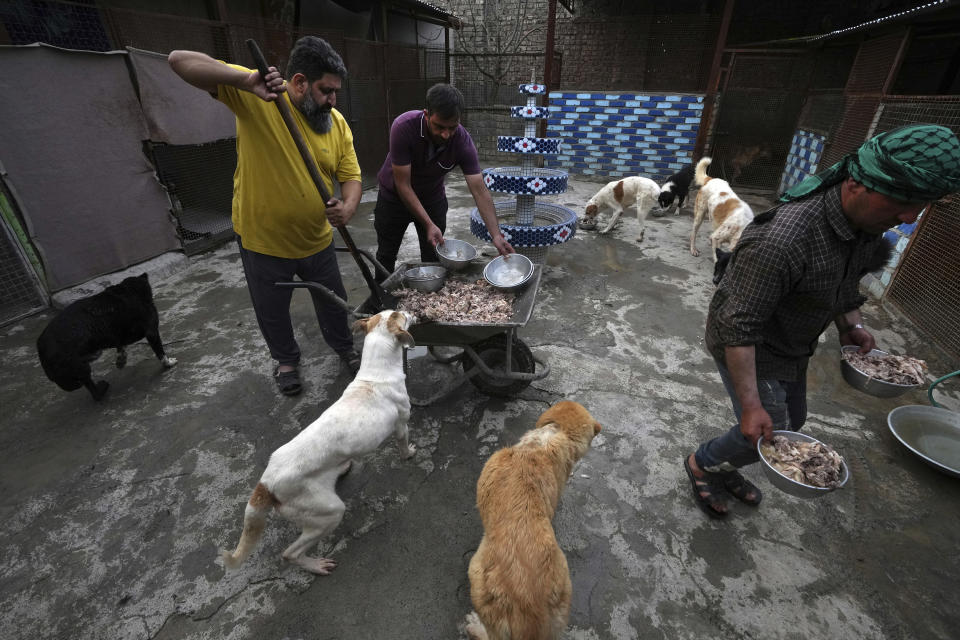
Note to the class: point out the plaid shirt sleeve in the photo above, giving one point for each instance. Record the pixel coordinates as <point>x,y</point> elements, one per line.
<point>762,272</point>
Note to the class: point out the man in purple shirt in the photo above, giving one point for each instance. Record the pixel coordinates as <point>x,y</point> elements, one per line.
<point>424,146</point>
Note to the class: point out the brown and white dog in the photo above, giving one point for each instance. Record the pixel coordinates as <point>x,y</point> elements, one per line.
<point>717,201</point>
<point>300,476</point>
<point>519,581</point>
<point>619,194</point>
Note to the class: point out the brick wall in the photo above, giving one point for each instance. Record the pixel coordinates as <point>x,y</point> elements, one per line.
<point>619,134</point>
<point>803,158</point>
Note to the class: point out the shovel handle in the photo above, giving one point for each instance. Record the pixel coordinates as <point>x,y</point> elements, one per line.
<point>288,120</point>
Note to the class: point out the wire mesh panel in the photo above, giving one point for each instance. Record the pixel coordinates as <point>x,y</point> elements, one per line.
<point>199,181</point>
<point>20,292</point>
<point>926,288</point>
<point>756,119</point>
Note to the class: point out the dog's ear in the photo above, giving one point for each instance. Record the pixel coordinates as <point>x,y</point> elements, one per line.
<point>591,210</point>
<point>144,276</point>
<point>364,326</point>
<point>395,324</point>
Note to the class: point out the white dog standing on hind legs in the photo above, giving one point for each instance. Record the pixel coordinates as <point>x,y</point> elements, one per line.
<point>638,191</point>
<point>717,201</point>
<point>300,477</point>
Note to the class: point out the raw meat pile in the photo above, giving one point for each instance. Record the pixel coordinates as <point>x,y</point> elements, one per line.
<point>458,301</point>
<point>810,463</point>
<point>889,368</point>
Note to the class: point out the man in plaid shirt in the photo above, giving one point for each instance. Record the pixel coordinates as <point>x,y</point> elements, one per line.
<point>795,269</point>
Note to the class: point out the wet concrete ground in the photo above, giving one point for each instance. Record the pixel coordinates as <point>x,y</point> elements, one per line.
<point>114,512</point>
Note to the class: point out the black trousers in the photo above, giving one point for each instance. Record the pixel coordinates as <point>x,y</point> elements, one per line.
<point>272,303</point>
<point>391,219</point>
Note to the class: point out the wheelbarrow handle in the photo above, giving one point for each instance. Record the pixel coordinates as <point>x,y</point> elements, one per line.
<point>329,295</point>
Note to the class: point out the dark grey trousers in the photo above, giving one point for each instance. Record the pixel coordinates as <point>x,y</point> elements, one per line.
<point>272,303</point>
<point>785,401</point>
<point>391,220</point>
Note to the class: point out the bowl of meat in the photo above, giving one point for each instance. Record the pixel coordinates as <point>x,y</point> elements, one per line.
<point>801,465</point>
<point>879,373</point>
<point>456,254</point>
<point>509,273</point>
<point>427,278</point>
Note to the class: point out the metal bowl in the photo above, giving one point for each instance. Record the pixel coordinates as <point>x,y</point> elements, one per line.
<point>932,433</point>
<point>789,485</point>
<point>425,278</point>
<point>509,273</point>
<point>859,380</point>
<point>456,254</point>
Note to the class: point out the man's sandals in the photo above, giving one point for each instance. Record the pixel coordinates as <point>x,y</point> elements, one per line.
<point>708,491</point>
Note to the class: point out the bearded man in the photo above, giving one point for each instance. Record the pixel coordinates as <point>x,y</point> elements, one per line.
<point>283,226</point>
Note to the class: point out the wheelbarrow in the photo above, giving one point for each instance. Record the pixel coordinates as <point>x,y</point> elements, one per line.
<point>492,357</point>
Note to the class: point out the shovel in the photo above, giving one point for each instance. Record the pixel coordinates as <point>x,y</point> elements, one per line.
<point>379,298</point>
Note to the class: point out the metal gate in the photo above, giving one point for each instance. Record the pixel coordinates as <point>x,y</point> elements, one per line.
<point>759,107</point>
<point>926,288</point>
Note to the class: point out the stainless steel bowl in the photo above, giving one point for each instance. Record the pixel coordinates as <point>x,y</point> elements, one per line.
<point>859,380</point>
<point>509,273</point>
<point>456,254</point>
<point>425,278</point>
<point>789,485</point>
<point>932,433</point>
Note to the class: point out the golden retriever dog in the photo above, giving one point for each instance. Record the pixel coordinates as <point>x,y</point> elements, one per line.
<point>519,581</point>
<point>642,193</point>
<point>717,201</point>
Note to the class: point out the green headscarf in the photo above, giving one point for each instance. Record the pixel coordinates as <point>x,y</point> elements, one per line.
<point>915,163</point>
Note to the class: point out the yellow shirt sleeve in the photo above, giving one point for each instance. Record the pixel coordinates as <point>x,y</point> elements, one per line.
<point>277,209</point>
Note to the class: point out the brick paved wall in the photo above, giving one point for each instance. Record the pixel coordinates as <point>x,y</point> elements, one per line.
<point>803,158</point>
<point>619,134</point>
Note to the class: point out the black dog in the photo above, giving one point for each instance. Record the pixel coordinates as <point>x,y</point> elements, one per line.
<point>677,187</point>
<point>117,316</point>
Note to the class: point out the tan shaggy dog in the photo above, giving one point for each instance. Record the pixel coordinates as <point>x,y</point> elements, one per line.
<point>717,201</point>
<point>519,580</point>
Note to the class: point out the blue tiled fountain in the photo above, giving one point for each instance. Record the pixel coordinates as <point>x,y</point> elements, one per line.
<point>531,227</point>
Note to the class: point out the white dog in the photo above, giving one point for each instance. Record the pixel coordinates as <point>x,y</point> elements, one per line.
<point>300,476</point>
<point>634,190</point>
<point>717,201</point>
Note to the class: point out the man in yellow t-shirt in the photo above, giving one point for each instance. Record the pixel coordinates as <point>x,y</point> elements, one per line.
<point>283,226</point>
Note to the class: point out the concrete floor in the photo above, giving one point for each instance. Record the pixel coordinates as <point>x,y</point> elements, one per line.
<point>115,511</point>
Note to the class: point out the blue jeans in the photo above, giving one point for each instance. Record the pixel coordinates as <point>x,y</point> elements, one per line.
<point>785,401</point>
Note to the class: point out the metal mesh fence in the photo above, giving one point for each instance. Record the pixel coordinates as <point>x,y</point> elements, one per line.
<point>20,292</point>
<point>199,183</point>
<point>755,122</point>
<point>667,52</point>
<point>926,288</point>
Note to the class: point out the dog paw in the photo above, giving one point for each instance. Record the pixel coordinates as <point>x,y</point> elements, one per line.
<point>695,253</point>
<point>168,362</point>
<point>410,451</point>
<point>639,238</point>
<point>319,566</point>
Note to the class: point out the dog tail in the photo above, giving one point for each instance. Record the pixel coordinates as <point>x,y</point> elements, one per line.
<point>254,522</point>
<point>700,175</point>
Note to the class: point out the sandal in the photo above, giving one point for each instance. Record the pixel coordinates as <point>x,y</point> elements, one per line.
<point>741,488</point>
<point>351,360</point>
<point>288,382</point>
<point>707,491</point>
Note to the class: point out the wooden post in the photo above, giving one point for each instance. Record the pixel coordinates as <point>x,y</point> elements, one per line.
<point>711,96</point>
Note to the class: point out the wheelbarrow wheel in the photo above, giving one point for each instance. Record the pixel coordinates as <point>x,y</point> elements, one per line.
<point>493,352</point>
